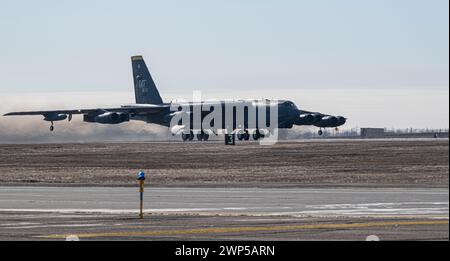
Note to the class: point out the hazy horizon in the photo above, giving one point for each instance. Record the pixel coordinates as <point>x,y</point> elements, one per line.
<point>379,63</point>
<point>364,108</point>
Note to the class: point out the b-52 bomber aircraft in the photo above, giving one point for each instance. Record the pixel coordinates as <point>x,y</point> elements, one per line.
<point>244,118</point>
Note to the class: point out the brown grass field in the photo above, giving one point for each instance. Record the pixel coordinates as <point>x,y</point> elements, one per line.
<point>305,163</point>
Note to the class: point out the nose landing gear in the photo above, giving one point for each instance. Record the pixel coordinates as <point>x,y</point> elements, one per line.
<point>52,127</point>
<point>320,132</point>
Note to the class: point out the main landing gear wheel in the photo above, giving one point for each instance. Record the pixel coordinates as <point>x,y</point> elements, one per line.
<point>187,136</point>
<point>257,135</point>
<point>320,132</point>
<point>243,135</point>
<point>52,127</point>
<point>246,135</point>
<point>202,136</point>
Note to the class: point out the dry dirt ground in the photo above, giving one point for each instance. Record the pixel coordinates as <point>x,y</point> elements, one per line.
<point>307,163</point>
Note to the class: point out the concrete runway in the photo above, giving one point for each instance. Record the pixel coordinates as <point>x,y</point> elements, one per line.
<point>224,213</point>
<point>433,202</point>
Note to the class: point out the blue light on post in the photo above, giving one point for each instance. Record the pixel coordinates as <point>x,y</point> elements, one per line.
<point>141,178</point>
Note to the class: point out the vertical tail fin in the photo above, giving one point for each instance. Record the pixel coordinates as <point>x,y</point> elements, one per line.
<point>145,89</point>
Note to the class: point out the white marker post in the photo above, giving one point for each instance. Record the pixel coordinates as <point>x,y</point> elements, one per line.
<point>141,178</point>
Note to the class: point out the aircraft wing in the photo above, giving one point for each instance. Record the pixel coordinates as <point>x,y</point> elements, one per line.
<point>137,110</point>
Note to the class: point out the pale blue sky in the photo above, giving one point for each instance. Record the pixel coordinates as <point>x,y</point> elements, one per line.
<point>49,46</point>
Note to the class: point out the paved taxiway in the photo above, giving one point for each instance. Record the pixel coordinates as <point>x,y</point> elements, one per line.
<point>224,213</point>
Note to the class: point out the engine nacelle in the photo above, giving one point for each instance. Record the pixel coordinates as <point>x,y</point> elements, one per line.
<point>341,120</point>
<point>112,118</point>
<point>330,121</point>
<point>108,118</point>
<point>55,117</point>
<point>179,115</point>
<point>307,119</point>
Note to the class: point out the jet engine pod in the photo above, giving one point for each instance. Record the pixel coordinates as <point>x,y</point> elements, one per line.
<point>108,118</point>
<point>327,121</point>
<point>341,120</point>
<point>180,116</point>
<point>54,117</point>
<point>112,118</point>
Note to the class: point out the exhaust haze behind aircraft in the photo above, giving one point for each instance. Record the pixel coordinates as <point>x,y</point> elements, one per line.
<point>243,118</point>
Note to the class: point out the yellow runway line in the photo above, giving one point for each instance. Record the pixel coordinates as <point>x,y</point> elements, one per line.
<point>247,229</point>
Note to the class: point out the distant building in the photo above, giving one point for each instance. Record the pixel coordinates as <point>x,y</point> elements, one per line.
<point>407,133</point>
<point>372,132</point>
